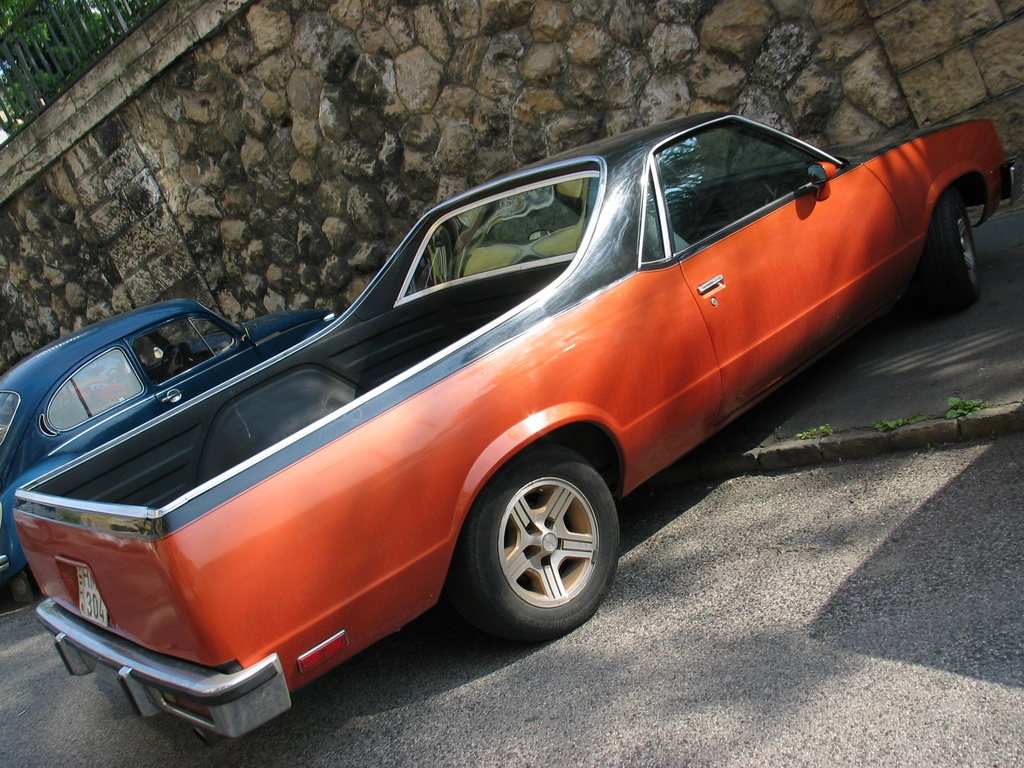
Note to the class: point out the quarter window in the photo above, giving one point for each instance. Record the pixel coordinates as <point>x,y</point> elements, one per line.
<point>8,407</point>
<point>717,176</point>
<point>534,224</point>
<point>96,387</point>
<point>653,245</point>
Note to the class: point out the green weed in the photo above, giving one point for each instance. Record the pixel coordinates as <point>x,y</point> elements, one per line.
<point>960,407</point>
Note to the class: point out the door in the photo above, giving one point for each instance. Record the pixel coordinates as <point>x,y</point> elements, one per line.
<point>778,274</point>
<point>187,356</point>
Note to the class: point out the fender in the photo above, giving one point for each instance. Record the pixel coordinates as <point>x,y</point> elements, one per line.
<point>518,438</point>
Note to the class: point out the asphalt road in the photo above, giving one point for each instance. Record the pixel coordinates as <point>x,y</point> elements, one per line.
<point>863,613</point>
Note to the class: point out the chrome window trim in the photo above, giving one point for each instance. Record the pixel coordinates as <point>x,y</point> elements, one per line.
<point>202,336</point>
<point>14,413</point>
<point>692,248</point>
<point>652,176</point>
<point>131,366</point>
<point>404,296</point>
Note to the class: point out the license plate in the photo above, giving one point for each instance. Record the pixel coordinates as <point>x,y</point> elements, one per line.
<point>89,601</point>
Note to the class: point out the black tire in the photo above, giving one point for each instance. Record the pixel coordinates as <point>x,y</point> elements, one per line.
<point>539,548</point>
<point>21,587</point>
<point>948,272</point>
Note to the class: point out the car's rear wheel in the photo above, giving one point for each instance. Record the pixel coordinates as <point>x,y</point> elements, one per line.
<point>539,548</point>
<point>948,272</point>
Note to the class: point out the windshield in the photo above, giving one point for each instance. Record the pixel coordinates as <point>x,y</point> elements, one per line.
<point>8,405</point>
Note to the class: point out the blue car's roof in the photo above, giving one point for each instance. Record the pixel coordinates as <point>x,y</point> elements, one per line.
<point>59,356</point>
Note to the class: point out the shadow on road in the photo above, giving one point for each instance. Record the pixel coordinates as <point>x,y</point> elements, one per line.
<point>944,590</point>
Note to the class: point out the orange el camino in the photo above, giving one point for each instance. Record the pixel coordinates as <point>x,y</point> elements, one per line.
<point>535,348</point>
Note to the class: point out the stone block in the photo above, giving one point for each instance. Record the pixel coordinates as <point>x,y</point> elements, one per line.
<point>838,16</point>
<point>155,234</point>
<point>111,219</point>
<point>141,288</point>
<point>944,87</point>
<point>924,434</point>
<point>1000,57</point>
<point>123,165</point>
<point>1007,112</point>
<point>998,420</point>
<point>171,17</point>
<point>876,8</point>
<point>588,44</point>
<point>543,64</point>
<point>671,46</point>
<point>551,21</point>
<point>462,17</point>
<point>271,29</point>
<point>171,267</point>
<point>666,96</point>
<point>737,28</point>
<point>869,84</point>
<point>854,445</point>
<point>789,455</point>
<point>208,16</point>
<point>922,29</point>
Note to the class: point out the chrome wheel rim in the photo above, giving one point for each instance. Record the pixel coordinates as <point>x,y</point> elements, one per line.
<point>547,542</point>
<point>967,247</point>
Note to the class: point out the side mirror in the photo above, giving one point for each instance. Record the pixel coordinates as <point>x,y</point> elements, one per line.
<point>820,174</point>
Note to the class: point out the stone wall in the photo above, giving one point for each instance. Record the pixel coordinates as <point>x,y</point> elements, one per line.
<point>277,162</point>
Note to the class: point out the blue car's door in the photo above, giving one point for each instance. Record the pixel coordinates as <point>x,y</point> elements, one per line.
<point>187,356</point>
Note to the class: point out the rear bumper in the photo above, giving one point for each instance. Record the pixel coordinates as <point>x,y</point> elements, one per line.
<point>1011,176</point>
<point>230,704</point>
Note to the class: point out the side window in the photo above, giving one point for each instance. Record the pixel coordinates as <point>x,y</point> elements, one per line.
<point>717,176</point>
<point>529,225</point>
<point>94,388</point>
<point>177,346</point>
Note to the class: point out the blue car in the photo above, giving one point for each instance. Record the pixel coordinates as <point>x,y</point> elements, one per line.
<point>101,381</point>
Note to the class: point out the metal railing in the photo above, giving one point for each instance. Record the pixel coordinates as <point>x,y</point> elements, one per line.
<point>51,45</point>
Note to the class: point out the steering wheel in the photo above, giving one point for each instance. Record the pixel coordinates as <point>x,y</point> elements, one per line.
<point>179,358</point>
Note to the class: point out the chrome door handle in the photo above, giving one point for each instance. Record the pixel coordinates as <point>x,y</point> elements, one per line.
<point>711,284</point>
<point>172,396</point>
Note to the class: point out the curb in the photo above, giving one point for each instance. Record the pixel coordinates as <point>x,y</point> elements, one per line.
<point>853,444</point>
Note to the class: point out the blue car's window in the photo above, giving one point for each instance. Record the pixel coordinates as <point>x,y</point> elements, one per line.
<point>8,406</point>
<point>177,346</point>
<point>534,224</point>
<point>713,178</point>
<point>96,387</point>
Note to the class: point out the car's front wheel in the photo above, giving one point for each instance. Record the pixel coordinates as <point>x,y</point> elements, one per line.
<point>948,272</point>
<point>539,548</point>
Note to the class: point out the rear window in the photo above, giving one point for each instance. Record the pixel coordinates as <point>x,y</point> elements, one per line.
<point>8,407</point>
<point>533,225</point>
<point>96,387</point>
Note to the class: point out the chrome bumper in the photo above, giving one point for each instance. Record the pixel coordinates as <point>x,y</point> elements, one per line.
<point>237,702</point>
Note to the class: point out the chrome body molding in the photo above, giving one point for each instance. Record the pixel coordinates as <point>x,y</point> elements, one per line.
<point>4,563</point>
<point>237,702</point>
<point>125,519</point>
